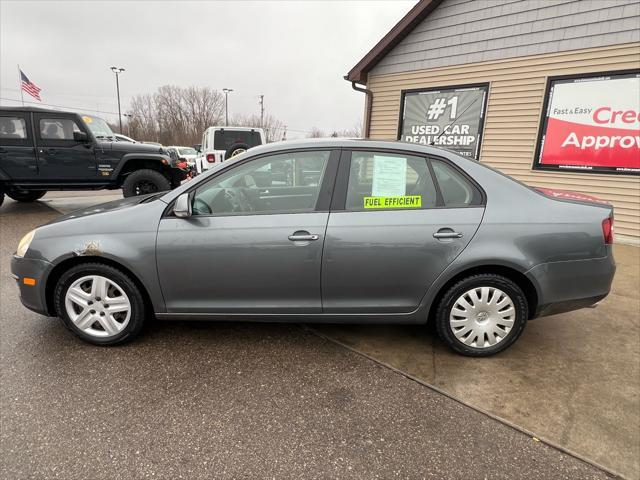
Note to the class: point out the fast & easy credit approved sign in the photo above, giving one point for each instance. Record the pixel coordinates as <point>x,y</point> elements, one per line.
<point>591,124</point>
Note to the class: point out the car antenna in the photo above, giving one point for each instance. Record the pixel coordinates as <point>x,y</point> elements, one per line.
<point>433,142</point>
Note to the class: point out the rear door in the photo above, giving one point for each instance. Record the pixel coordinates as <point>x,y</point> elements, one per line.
<point>17,153</point>
<point>391,232</point>
<point>60,157</point>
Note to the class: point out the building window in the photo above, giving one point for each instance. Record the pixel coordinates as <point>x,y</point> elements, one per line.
<point>591,123</point>
<point>450,117</point>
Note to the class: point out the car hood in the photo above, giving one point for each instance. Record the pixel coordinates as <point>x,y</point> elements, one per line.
<point>131,147</point>
<point>124,203</point>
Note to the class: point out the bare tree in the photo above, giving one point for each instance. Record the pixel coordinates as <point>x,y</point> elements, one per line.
<point>273,128</point>
<point>316,133</point>
<point>353,132</point>
<point>176,115</point>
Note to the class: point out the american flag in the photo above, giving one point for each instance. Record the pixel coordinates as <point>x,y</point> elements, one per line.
<point>29,87</point>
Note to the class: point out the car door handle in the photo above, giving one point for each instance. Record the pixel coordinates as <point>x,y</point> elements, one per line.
<point>303,237</point>
<point>448,233</point>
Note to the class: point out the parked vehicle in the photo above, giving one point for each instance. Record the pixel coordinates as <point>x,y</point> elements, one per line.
<point>43,150</point>
<point>123,138</point>
<point>188,165</point>
<point>221,143</point>
<point>185,154</point>
<point>327,231</point>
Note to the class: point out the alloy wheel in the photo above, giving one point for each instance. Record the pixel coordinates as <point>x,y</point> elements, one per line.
<point>482,317</point>
<point>97,306</point>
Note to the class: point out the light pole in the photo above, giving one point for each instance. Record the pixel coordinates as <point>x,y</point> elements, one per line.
<point>226,105</point>
<point>118,71</point>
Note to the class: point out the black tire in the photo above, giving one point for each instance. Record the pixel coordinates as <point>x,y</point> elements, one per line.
<point>1,198</point>
<point>236,149</point>
<point>26,195</point>
<point>145,181</point>
<point>136,320</point>
<point>450,297</point>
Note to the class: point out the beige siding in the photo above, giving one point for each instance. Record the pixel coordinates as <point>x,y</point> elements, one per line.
<point>513,115</point>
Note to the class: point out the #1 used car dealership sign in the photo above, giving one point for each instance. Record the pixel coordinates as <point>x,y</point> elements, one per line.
<point>591,124</point>
<point>449,117</point>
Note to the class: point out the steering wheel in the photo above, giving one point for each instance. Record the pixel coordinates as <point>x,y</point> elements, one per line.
<point>200,207</point>
<point>247,206</point>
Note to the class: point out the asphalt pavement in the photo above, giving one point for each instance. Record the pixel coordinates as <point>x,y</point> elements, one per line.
<point>223,400</point>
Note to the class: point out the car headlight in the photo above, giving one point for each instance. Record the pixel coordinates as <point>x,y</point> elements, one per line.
<point>24,244</point>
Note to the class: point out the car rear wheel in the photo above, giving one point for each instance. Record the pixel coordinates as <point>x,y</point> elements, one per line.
<point>145,181</point>
<point>26,195</point>
<point>482,315</point>
<point>100,304</point>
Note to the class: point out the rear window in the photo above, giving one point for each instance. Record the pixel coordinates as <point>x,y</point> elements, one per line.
<point>389,181</point>
<point>456,189</point>
<point>225,139</point>
<point>13,128</point>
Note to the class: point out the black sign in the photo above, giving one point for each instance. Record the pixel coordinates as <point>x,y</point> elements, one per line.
<point>449,117</point>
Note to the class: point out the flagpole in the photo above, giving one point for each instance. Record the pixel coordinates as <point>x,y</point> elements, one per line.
<point>20,84</point>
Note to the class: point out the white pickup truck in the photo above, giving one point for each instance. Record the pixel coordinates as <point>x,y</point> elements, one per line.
<point>221,143</point>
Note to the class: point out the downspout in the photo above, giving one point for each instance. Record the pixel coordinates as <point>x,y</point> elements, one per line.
<point>367,113</point>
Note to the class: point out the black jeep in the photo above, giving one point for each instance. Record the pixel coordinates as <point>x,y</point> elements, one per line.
<point>44,150</point>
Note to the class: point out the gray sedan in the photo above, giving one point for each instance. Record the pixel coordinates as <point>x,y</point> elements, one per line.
<point>326,231</point>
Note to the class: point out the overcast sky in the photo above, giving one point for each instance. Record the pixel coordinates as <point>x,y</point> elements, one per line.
<point>294,52</point>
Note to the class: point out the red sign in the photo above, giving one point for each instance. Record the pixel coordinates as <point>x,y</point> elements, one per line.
<point>592,125</point>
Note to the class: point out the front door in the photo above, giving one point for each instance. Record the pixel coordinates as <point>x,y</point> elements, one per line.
<point>17,155</point>
<point>391,231</point>
<point>254,241</point>
<point>60,157</point>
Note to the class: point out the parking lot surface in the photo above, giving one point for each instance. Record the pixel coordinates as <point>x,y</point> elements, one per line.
<point>573,379</point>
<point>203,400</point>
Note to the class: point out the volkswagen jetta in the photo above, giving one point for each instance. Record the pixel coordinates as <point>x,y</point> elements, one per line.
<point>326,231</point>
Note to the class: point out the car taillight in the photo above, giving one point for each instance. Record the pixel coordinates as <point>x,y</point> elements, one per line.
<point>607,230</point>
<point>211,158</point>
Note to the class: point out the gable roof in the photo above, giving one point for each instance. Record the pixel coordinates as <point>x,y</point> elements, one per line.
<point>418,13</point>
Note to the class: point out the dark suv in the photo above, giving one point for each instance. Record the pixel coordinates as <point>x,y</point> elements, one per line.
<point>44,150</point>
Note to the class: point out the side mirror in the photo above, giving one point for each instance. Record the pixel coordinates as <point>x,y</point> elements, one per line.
<point>182,207</point>
<point>80,137</point>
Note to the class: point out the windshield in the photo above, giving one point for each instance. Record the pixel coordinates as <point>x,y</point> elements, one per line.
<point>187,151</point>
<point>98,127</point>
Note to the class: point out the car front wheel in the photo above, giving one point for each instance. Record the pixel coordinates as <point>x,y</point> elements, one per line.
<point>145,181</point>
<point>482,315</point>
<point>100,304</point>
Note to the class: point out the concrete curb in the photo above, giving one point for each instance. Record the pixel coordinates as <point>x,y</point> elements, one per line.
<point>551,444</point>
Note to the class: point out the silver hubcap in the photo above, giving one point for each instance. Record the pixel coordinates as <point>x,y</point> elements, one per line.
<point>238,152</point>
<point>97,306</point>
<point>482,317</point>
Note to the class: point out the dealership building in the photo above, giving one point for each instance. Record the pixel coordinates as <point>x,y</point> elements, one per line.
<point>545,91</point>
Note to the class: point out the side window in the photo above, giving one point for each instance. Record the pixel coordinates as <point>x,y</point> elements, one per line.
<point>379,181</point>
<point>456,189</point>
<point>283,183</point>
<point>13,130</point>
<point>58,128</point>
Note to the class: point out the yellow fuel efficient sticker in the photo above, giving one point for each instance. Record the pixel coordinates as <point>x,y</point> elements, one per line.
<point>87,119</point>
<point>407,201</point>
